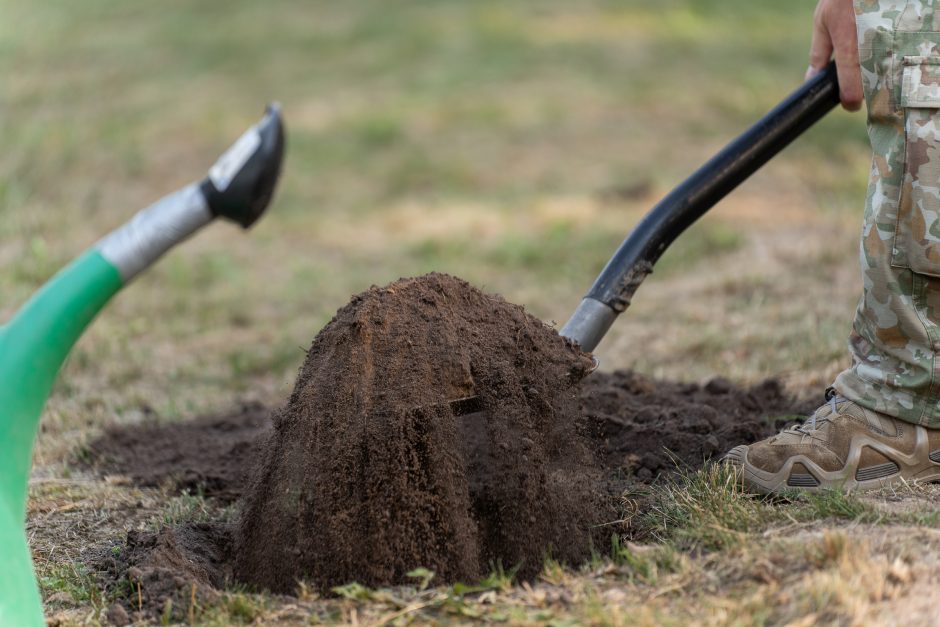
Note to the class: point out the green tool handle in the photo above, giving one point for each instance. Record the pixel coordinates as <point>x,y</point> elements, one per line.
<point>32,348</point>
<point>35,343</point>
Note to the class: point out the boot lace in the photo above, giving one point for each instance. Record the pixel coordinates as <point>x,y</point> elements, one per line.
<point>811,424</point>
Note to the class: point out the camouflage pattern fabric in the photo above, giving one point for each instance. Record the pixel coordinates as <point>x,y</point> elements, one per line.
<point>895,341</point>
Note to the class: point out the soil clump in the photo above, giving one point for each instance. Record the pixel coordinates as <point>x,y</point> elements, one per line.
<point>367,473</point>
<point>370,470</point>
<point>169,572</point>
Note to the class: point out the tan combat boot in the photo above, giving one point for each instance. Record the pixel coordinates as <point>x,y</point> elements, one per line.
<point>842,446</point>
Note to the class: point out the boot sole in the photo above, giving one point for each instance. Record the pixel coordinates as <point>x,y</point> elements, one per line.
<point>905,467</point>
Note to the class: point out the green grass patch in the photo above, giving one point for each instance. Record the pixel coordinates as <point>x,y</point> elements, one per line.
<point>275,359</point>
<point>830,504</point>
<point>706,509</point>
<point>74,580</point>
<point>233,608</point>
<point>190,508</point>
<point>646,564</point>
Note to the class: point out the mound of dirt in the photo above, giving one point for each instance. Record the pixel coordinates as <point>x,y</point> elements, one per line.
<point>371,469</point>
<point>367,474</point>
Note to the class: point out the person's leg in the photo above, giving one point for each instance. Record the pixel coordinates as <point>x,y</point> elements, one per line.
<point>895,337</point>
<point>873,429</point>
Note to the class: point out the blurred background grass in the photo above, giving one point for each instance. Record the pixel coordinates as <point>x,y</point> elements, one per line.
<point>512,143</point>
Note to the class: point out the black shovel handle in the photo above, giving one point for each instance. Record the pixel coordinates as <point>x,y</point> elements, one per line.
<point>634,260</point>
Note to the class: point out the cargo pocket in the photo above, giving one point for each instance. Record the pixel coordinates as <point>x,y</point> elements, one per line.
<point>917,239</point>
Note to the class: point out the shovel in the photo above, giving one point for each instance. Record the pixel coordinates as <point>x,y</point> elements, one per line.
<point>634,260</point>
<point>36,341</point>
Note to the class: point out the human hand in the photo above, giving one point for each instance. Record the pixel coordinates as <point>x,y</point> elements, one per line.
<point>834,36</point>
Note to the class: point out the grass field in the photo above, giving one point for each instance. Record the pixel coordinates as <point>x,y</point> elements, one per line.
<point>512,143</point>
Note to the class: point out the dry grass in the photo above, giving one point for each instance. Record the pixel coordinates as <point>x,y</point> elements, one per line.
<point>723,558</point>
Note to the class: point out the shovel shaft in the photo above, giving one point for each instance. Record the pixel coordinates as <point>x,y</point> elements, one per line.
<point>618,281</point>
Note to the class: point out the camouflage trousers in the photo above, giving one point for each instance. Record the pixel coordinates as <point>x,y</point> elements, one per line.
<point>895,339</point>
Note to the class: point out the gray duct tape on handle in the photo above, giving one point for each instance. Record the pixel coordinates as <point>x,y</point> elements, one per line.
<point>154,230</point>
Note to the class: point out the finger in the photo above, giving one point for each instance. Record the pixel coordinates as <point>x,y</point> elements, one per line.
<point>841,26</point>
<point>850,77</point>
<point>820,49</point>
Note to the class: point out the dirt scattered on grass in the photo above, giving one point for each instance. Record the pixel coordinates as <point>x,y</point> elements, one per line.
<point>168,572</point>
<point>369,471</point>
<point>209,455</point>
<point>646,426</point>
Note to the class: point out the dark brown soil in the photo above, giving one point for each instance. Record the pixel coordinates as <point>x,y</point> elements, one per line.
<point>367,476</point>
<point>209,456</point>
<point>646,426</point>
<point>166,573</point>
<point>369,472</point>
